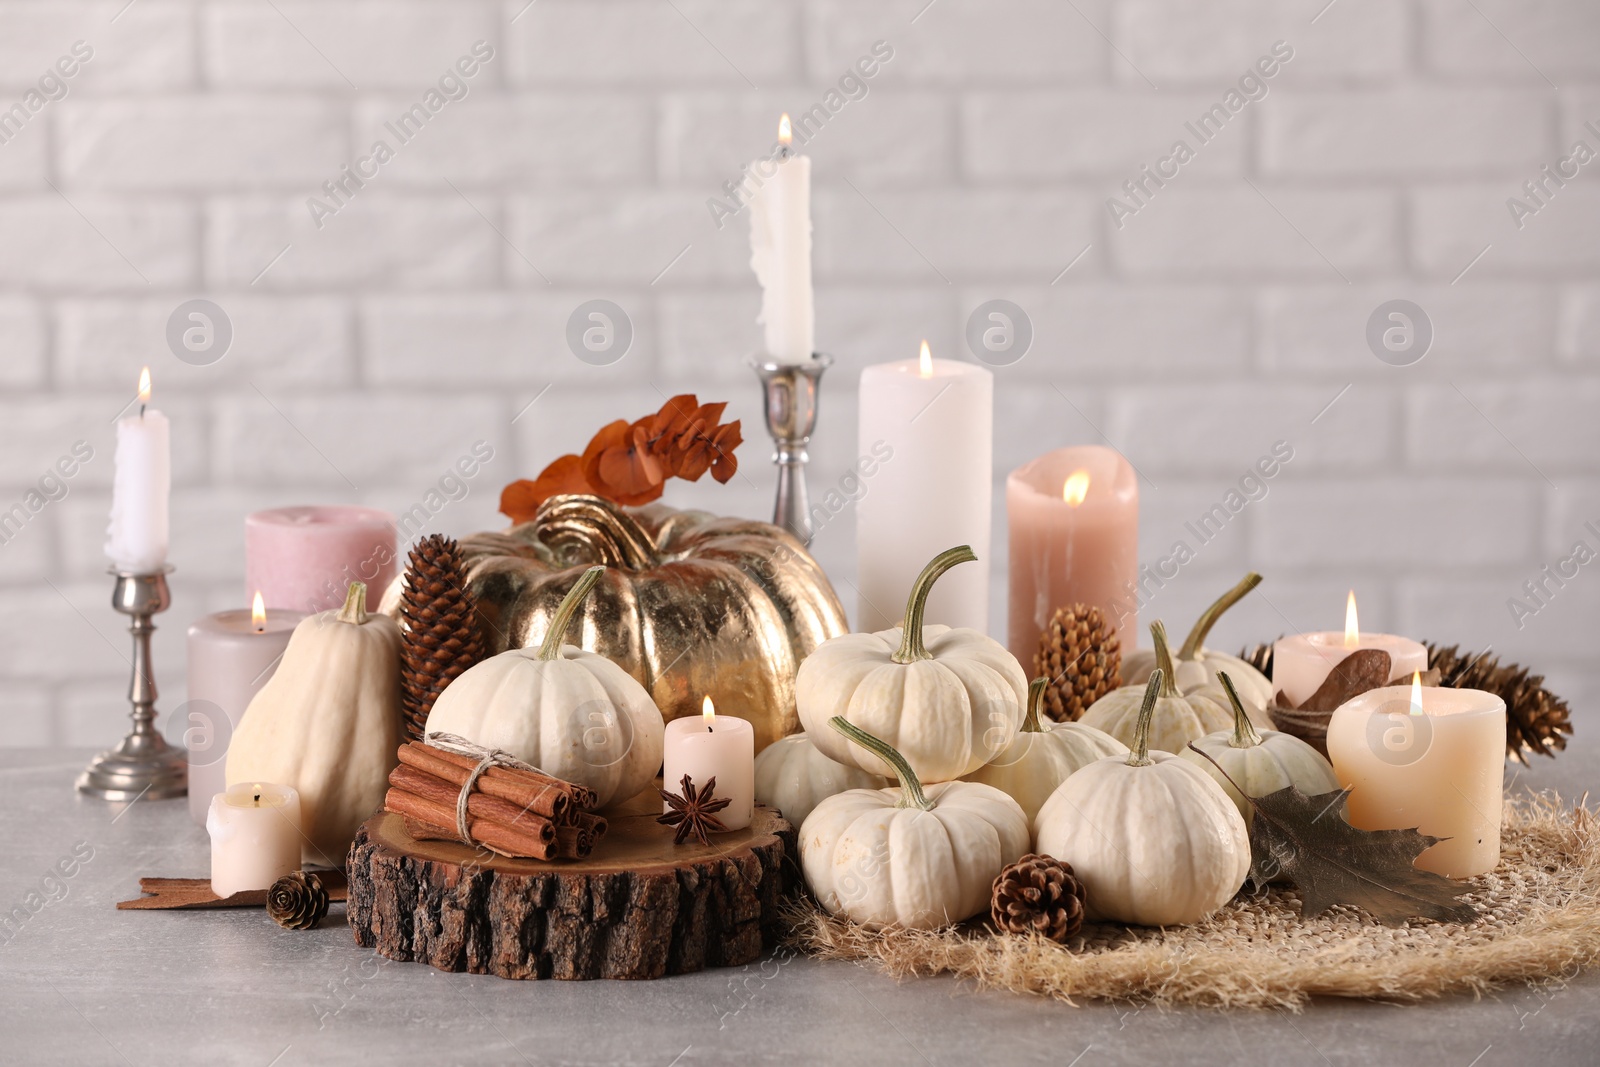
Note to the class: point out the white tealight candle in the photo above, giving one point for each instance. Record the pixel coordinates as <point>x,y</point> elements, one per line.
<point>1301,663</point>
<point>780,250</point>
<point>1427,758</point>
<point>255,836</point>
<point>137,538</point>
<point>931,423</point>
<point>713,746</point>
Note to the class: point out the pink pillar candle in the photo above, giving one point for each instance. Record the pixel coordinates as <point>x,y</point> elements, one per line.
<point>1301,663</point>
<point>1074,527</point>
<point>231,656</point>
<point>304,558</point>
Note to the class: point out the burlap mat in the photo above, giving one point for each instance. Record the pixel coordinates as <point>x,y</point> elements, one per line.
<point>1540,922</point>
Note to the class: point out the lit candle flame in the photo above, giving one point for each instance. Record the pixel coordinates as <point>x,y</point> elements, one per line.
<point>144,386</point>
<point>258,613</point>
<point>925,362</point>
<point>1352,629</point>
<point>708,713</point>
<point>1076,488</point>
<point>1416,692</point>
<point>785,131</point>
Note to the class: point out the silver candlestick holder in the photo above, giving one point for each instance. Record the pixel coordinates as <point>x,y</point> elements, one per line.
<point>144,764</point>
<point>789,392</point>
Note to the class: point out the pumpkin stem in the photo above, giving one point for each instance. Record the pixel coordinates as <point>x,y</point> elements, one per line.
<point>1208,618</point>
<point>1158,634</point>
<point>911,646</point>
<point>1139,755</point>
<point>1032,723</point>
<point>551,648</point>
<point>911,794</point>
<point>355,604</point>
<point>1244,731</point>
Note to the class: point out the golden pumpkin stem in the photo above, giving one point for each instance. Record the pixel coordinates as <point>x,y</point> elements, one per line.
<point>911,794</point>
<point>1139,755</point>
<point>551,648</point>
<point>1032,723</point>
<point>1158,634</point>
<point>1244,731</point>
<point>1208,618</point>
<point>355,604</point>
<point>911,646</point>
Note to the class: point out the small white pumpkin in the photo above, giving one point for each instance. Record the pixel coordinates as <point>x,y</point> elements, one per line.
<point>1196,666</point>
<point>1153,840</point>
<point>908,856</point>
<point>1181,716</point>
<point>1043,755</point>
<point>949,700</point>
<point>327,723</point>
<point>792,776</point>
<point>1258,762</point>
<point>571,713</point>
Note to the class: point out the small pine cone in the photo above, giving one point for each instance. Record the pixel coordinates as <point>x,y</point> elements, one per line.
<point>297,901</point>
<point>1080,653</point>
<point>440,639</point>
<point>1038,894</point>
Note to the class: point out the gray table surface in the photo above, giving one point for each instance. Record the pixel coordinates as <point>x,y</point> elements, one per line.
<point>81,983</point>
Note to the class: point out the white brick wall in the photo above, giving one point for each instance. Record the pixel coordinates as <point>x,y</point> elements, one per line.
<point>1226,313</point>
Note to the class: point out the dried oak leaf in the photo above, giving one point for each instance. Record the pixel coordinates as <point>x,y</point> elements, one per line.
<point>619,465</point>
<point>1309,841</point>
<point>520,500</point>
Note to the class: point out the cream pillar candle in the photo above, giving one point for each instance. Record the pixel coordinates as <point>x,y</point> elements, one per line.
<point>255,836</point>
<point>935,417</point>
<point>780,250</point>
<point>304,558</point>
<point>1073,519</point>
<point>1428,758</point>
<point>231,656</point>
<point>136,540</point>
<point>713,746</point>
<point>1303,662</point>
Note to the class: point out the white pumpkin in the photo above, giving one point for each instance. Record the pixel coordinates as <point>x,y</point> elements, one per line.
<point>792,776</point>
<point>1257,762</point>
<point>571,713</point>
<point>949,700</point>
<point>1196,666</point>
<point>1043,755</point>
<point>908,856</point>
<point>1181,716</point>
<point>1153,839</point>
<point>327,723</point>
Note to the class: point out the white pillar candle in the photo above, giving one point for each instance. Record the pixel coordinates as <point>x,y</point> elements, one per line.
<point>255,836</point>
<point>780,249</point>
<point>935,418</point>
<point>1301,663</point>
<point>1427,758</point>
<point>713,746</point>
<point>137,538</point>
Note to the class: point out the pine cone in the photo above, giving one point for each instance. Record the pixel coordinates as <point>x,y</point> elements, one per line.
<point>1259,657</point>
<point>1038,894</point>
<point>297,901</point>
<point>1080,654</point>
<point>439,637</point>
<point>1536,719</point>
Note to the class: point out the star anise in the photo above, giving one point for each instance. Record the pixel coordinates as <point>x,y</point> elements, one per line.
<point>692,812</point>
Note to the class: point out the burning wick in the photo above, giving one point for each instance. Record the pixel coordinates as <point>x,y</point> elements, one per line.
<point>708,714</point>
<point>925,362</point>
<point>144,390</point>
<point>258,614</point>
<point>1076,488</point>
<point>1416,693</point>
<point>1352,629</point>
<point>785,135</point>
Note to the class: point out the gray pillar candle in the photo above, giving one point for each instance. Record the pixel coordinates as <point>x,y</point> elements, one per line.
<point>231,656</point>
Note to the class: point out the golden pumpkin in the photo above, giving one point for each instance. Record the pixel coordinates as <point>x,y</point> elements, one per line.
<point>692,605</point>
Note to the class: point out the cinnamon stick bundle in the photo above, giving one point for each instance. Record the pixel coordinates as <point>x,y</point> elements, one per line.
<point>512,811</point>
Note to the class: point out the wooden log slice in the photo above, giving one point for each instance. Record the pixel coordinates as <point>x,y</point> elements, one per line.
<point>638,907</point>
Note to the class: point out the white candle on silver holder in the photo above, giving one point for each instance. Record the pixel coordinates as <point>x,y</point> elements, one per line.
<point>136,540</point>
<point>780,249</point>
